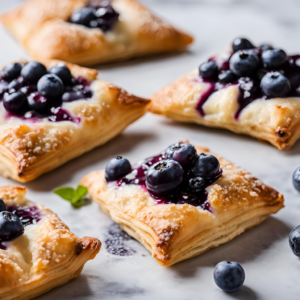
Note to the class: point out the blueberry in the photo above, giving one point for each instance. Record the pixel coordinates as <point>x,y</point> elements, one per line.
<point>63,73</point>
<point>33,71</point>
<point>183,153</point>
<point>209,70</point>
<point>11,71</point>
<point>205,165</point>
<point>274,84</point>
<point>243,63</point>
<point>117,168</point>
<point>197,184</point>
<point>83,16</point>
<point>296,179</point>
<point>164,177</point>
<point>37,102</point>
<point>241,44</point>
<point>294,240</point>
<point>15,85</point>
<point>107,17</point>
<point>10,226</point>
<point>15,103</point>
<point>2,205</point>
<point>229,276</point>
<point>273,58</point>
<point>51,86</point>
<point>266,47</point>
<point>227,77</point>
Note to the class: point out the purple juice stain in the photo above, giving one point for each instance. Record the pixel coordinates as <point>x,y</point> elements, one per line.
<point>115,241</point>
<point>249,88</point>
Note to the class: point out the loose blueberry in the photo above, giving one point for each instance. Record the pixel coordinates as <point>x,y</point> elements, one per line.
<point>209,70</point>
<point>117,168</point>
<point>205,166</point>
<point>183,153</point>
<point>51,86</point>
<point>294,240</point>
<point>274,84</point>
<point>229,276</point>
<point>11,71</point>
<point>15,103</point>
<point>273,58</point>
<point>296,179</point>
<point>37,102</point>
<point>243,63</point>
<point>241,44</point>
<point>33,71</point>
<point>83,16</point>
<point>2,205</point>
<point>164,177</point>
<point>63,73</point>
<point>10,226</point>
<point>197,184</point>
<point>227,77</point>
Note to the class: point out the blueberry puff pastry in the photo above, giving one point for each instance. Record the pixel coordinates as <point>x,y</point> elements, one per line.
<point>38,251</point>
<point>53,112</point>
<point>246,89</point>
<point>182,202</point>
<point>91,32</point>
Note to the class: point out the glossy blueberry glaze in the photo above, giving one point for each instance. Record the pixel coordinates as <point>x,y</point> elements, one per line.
<point>249,89</point>
<point>181,196</point>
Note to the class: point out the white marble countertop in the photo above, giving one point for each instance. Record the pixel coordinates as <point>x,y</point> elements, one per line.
<point>272,271</point>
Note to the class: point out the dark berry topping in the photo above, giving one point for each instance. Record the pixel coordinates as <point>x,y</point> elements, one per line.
<point>33,71</point>
<point>63,73</point>
<point>10,226</point>
<point>37,102</point>
<point>183,153</point>
<point>294,240</point>
<point>244,63</point>
<point>164,177</point>
<point>209,70</point>
<point>274,84</point>
<point>296,179</point>
<point>241,44</point>
<point>11,71</point>
<point>106,17</point>
<point>273,58</point>
<point>116,168</point>
<point>15,103</point>
<point>205,166</point>
<point>227,77</point>
<point>83,16</point>
<point>59,115</point>
<point>51,86</point>
<point>266,47</point>
<point>15,85</point>
<point>2,205</point>
<point>229,276</point>
<point>197,184</point>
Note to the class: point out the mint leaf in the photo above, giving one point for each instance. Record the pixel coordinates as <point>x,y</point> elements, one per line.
<point>81,202</point>
<point>66,193</point>
<point>80,192</point>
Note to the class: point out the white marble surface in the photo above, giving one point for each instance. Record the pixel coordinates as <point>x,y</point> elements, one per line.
<point>272,271</point>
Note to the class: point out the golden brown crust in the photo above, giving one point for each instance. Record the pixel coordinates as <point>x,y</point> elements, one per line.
<point>175,232</point>
<point>43,29</point>
<point>29,149</point>
<point>275,120</point>
<point>44,257</point>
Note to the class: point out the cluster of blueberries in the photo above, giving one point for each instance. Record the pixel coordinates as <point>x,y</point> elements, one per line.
<point>96,15</point>
<point>165,177</point>
<point>269,68</point>
<point>31,88</point>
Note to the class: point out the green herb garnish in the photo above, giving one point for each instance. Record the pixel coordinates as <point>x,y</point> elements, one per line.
<point>75,197</point>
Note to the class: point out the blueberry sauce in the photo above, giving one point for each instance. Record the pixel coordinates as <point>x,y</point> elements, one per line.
<point>249,87</point>
<point>115,242</point>
<point>27,214</point>
<point>181,196</point>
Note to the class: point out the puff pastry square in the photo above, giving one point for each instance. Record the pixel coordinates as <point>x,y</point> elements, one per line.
<point>233,106</point>
<point>173,232</point>
<point>43,28</point>
<point>45,256</point>
<point>29,148</point>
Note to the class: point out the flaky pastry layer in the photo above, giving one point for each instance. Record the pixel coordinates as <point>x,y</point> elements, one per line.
<point>43,29</point>
<point>47,255</point>
<point>29,149</point>
<point>175,232</point>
